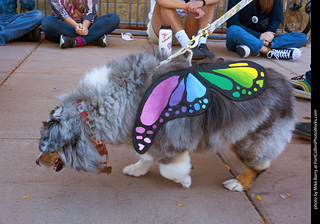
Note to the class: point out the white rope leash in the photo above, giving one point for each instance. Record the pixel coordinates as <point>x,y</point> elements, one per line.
<point>207,31</point>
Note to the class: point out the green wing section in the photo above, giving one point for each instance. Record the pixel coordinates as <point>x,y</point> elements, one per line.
<point>237,80</point>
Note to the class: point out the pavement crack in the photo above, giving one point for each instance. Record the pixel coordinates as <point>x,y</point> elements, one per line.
<point>20,63</point>
<point>250,199</point>
<point>32,139</point>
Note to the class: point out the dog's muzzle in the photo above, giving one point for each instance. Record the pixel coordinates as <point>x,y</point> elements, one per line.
<point>50,160</point>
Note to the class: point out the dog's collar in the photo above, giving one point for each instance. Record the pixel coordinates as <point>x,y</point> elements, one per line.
<point>99,144</point>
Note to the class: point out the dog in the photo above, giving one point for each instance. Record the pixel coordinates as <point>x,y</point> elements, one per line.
<point>256,130</point>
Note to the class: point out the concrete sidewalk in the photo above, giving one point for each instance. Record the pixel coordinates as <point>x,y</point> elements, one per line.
<point>33,75</point>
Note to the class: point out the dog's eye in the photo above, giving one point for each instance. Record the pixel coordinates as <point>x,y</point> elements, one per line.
<point>53,121</point>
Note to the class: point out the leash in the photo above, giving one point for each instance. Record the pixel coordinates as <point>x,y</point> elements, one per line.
<point>206,32</point>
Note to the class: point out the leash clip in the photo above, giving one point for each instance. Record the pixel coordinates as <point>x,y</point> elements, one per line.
<point>195,39</point>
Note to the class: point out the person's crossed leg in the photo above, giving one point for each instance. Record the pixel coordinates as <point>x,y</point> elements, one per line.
<point>199,15</point>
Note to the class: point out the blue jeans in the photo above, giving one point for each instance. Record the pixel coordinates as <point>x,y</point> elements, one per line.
<point>14,26</point>
<point>54,27</point>
<point>236,36</point>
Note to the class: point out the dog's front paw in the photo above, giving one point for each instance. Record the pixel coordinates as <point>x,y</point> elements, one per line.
<point>186,182</point>
<point>233,185</point>
<point>134,170</point>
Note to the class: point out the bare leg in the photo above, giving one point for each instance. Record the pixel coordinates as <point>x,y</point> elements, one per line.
<point>170,16</point>
<point>163,16</point>
<point>209,11</point>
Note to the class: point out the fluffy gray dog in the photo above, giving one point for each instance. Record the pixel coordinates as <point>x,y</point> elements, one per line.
<point>257,130</point>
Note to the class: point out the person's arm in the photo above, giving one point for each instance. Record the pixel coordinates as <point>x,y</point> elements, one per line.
<point>211,2</point>
<point>200,3</point>
<point>172,4</point>
<point>70,21</point>
<point>85,27</point>
<point>87,23</point>
<point>58,10</point>
<point>193,6</point>
<point>28,4</point>
<point>88,17</point>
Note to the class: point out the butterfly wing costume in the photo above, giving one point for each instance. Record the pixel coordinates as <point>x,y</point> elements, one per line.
<point>188,92</point>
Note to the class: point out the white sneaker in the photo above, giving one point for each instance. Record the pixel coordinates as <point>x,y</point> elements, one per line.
<point>287,54</point>
<point>243,51</point>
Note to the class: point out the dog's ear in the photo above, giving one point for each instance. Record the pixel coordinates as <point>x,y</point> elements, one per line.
<point>81,154</point>
<point>56,114</point>
<point>53,135</point>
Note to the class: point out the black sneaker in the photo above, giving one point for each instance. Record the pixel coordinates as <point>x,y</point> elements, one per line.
<point>67,42</point>
<point>101,41</point>
<point>243,51</point>
<point>34,36</point>
<point>197,54</point>
<point>287,54</point>
<point>303,130</point>
<point>204,49</point>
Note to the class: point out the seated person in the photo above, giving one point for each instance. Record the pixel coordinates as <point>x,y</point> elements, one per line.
<point>74,23</point>
<point>252,31</point>
<point>186,18</point>
<point>23,26</point>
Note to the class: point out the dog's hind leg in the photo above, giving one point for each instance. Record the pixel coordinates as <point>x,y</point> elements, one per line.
<point>245,179</point>
<point>141,167</point>
<point>178,170</point>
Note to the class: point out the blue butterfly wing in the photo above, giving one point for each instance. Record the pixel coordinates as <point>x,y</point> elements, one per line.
<point>173,95</point>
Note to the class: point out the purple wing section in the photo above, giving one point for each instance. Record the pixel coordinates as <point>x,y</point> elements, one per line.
<point>158,100</point>
<point>177,94</point>
<point>173,95</point>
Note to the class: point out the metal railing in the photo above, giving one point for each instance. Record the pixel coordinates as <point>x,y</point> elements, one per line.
<point>134,13</point>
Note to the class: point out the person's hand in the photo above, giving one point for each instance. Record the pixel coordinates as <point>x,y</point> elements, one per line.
<point>86,24</point>
<point>266,43</point>
<point>199,13</point>
<point>267,37</point>
<point>81,30</point>
<point>195,8</point>
<point>191,6</point>
<point>85,31</point>
<point>78,28</point>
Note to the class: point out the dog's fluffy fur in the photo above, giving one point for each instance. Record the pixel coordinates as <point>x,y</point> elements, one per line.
<point>257,129</point>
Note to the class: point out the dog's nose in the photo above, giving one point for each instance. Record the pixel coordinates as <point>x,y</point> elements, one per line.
<point>37,162</point>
